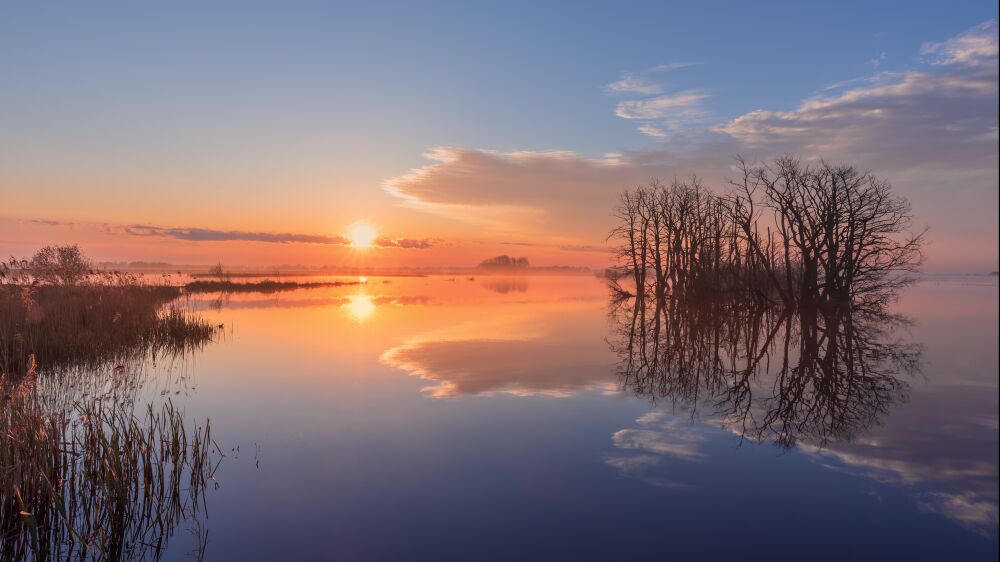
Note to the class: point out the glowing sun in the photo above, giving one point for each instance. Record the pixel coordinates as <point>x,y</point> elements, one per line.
<point>361,235</point>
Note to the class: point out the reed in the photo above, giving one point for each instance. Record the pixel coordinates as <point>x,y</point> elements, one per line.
<point>96,481</point>
<point>55,327</point>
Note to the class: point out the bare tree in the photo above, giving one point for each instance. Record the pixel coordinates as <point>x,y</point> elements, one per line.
<point>849,232</point>
<point>786,233</point>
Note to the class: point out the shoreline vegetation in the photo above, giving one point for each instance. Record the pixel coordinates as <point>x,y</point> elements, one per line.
<point>56,313</point>
<point>86,471</point>
<point>267,286</point>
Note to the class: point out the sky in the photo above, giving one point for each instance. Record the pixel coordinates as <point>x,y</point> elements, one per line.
<point>258,133</point>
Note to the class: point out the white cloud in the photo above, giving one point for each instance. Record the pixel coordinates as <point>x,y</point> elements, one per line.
<point>641,83</point>
<point>674,107</point>
<point>634,84</point>
<point>666,441</point>
<point>653,131</point>
<point>644,451</point>
<point>976,46</point>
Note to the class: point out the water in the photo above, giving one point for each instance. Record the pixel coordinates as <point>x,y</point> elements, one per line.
<point>449,418</point>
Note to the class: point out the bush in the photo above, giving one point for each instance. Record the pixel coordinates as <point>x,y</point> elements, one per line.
<point>59,265</point>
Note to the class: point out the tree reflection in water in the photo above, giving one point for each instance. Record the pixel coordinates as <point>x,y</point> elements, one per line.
<point>817,373</point>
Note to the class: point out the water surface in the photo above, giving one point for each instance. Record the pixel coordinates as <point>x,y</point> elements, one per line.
<point>456,418</point>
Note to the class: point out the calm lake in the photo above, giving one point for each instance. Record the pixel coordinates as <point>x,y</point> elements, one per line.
<point>487,418</point>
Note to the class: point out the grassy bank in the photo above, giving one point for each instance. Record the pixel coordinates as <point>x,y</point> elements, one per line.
<point>52,327</point>
<point>259,286</point>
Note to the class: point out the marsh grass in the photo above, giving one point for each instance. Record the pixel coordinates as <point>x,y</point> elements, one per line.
<point>267,286</point>
<point>84,473</point>
<point>49,328</point>
<point>97,481</point>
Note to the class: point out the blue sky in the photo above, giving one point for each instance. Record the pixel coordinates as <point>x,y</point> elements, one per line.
<point>328,101</point>
<point>511,76</point>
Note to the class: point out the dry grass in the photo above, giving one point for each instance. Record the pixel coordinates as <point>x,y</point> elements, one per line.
<point>48,328</point>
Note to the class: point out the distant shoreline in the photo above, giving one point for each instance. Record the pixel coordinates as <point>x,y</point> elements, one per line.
<point>202,272</point>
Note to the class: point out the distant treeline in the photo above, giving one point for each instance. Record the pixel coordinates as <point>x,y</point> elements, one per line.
<point>505,262</point>
<point>783,233</point>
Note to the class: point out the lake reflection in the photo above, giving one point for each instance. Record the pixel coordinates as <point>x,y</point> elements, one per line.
<point>454,418</point>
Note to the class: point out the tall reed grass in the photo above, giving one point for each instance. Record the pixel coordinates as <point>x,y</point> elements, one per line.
<point>52,327</point>
<point>97,481</point>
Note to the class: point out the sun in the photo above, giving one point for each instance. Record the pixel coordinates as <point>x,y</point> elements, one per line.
<point>361,235</point>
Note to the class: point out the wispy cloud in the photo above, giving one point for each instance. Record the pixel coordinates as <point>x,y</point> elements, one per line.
<point>653,131</point>
<point>642,82</point>
<point>977,46</point>
<point>51,223</point>
<point>210,235</point>
<point>902,113</point>
<point>672,107</point>
<point>877,61</point>
<point>405,243</point>
<point>634,84</point>
<point>664,112</point>
<point>649,451</point>
<point>670,67</point>
<point>214,235</point>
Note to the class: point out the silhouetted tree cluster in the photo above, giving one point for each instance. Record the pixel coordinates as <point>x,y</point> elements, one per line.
<point>505,262</point>
<point>783,233</point>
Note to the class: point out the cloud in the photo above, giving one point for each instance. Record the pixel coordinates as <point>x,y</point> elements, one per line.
<point>977,46</point>
<point>634,84</point>
<point>682,106</point>
<point>664,442</point>
<point>52,223</point>
<point>877,61</point>
<point>645,451</point>
<point>653,131</point>
<point>946,454</point>
<point>405,243</point>
<point>640,82</point>
<point>528,367</point>
<point>497,348</point>
<point>212,235</point>
<point>662,113</point>
<point>520,192</point>
<point>209,235</point>
<point>931,131</point>
<point>669,67</point>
